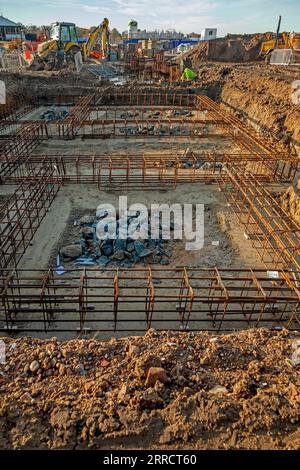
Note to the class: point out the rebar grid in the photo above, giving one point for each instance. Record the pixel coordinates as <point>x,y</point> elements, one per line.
<point>22,213</point>
<point>14,109</point>
<point>180,298</point>
<point>141,298</point>
<point>12,117</point>
<point>272,232</point>
<point>138,171</point>
<point>156,98</point>
<point>139,127</point>
<point>247,139</point>
<point>112,112</point>
<point>73,122</point>
<point>20,145</point>
<point>121,98</point>
<point>161,172</point>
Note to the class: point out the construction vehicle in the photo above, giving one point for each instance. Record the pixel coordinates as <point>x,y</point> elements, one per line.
<point>63,45</point>
<point>32,40</point>
<point>280,41</point>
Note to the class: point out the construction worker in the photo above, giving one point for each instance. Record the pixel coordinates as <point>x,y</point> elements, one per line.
<point>188,74</point>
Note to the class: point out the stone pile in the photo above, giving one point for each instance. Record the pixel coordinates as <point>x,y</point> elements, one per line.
<point>154,129</point>
<point>53,114</point>
<point>90,251</point>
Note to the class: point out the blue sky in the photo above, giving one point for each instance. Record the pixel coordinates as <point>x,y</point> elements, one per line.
<point>229,16</point>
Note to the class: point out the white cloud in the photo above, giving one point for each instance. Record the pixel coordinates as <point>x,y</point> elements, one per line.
<point>94,9</point>
<point>187,23</point>
<point>226,15</point>
<point>169,13</point>
<point>90,8</point>
<point>164,7</point>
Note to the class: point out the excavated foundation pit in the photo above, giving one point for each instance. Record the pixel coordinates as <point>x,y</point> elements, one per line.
<point>152,154</point>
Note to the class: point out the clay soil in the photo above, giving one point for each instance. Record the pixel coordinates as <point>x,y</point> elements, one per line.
<point>235,391</point>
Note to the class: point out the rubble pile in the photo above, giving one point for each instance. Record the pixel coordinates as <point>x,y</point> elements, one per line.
<point>290,201</point>
<point>54,114</point>
<point>162,390</point>
<point>156,128</point>
<point>233,48</point>
<point>89,250</point>
<point>170,113</point>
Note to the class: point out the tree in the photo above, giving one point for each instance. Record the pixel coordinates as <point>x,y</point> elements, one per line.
<point>115,36</point>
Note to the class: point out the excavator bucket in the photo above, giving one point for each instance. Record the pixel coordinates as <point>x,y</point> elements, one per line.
<point>281,57</point>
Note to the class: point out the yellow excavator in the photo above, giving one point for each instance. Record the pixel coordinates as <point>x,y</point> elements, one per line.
<point>63,45</point>
<point>280,41</point>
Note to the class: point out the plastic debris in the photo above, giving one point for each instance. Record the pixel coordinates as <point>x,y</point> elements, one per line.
<point>60,270</point>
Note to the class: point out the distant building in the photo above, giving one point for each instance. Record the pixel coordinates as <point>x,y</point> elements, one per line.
<point>133,33</point>
<point>208,33</point>
<point>132,29</point>
<point>9,30</point>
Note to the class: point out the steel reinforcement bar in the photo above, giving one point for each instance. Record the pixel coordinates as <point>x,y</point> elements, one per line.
<point>76,117</point>
<point>143,127</point>
<point>22,213</point>
<point>247,139</point>
<point>20,146</point>
<point>272,232</point>
<point>202,101</point>
<point>178,98</point>
<point>137,299</point>
<point>139,171</point>
<point>14,109</point>
<point>149,98</point>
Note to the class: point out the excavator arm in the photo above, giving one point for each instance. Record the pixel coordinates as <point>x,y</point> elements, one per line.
<point>103,30</point>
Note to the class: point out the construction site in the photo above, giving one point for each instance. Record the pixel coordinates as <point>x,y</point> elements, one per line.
<point>107,341</point>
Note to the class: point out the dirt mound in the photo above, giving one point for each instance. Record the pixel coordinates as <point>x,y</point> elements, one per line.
<point>258,94</point>
<point>230,49</point>
<point>36,83</point>
<point>167,390</point>
<point>290,202</point>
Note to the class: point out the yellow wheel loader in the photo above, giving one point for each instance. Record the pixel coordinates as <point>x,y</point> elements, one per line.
<point>63,45</point>
<point>280,41</point>
<point>285,41</point>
